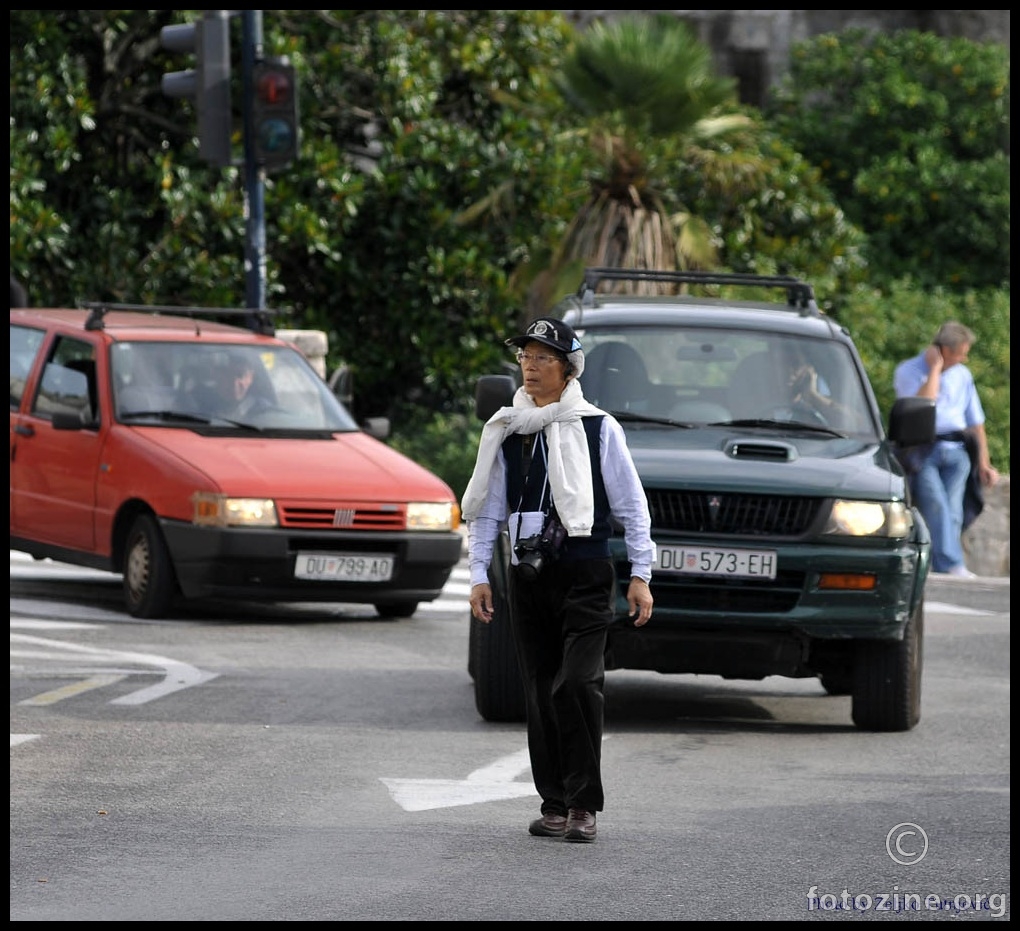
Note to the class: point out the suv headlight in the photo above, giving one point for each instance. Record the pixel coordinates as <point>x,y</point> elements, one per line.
<point>869,519</point>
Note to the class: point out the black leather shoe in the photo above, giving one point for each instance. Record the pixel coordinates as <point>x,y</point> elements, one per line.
<point>549,825</point>
<point>580,826</point>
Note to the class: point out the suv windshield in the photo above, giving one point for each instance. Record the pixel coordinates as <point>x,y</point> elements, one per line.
<point>268,387</point>
<point>725,376</point>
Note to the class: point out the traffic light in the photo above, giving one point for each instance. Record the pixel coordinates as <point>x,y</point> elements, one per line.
<point>275,128</point>
<point>208,84</point>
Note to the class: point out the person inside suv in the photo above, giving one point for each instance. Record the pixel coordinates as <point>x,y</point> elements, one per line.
<point>811,392</point>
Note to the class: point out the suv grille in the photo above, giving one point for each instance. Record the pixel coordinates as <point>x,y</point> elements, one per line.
<point>726,513</point>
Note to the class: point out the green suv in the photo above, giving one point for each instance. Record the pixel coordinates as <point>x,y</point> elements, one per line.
<point>787,541</point>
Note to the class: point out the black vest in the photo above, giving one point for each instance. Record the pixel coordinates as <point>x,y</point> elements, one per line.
<point>520,450</point>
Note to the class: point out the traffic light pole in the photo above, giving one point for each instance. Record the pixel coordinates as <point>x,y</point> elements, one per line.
<point>254,174</point>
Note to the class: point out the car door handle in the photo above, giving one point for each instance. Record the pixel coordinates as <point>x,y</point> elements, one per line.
<point>24,429</point>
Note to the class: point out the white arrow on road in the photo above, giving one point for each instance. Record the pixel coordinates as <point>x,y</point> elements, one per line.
<point>488,784</point>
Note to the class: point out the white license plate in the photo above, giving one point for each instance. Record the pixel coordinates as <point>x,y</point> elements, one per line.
<point>344,567</point>
<point>698,560</point>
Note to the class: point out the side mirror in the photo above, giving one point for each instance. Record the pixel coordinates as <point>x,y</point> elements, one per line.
<point>493,392</point>
<point>378,427</point>
<point>341,383</point>
<point>912,422</point>
<point>64,420</point>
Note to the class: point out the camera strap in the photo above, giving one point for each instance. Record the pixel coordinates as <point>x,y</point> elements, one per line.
<point>527,454</point>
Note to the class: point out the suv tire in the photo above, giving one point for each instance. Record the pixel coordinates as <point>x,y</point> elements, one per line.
<point>492,660</point>
<point>887,680</point>
<point>499,695</point>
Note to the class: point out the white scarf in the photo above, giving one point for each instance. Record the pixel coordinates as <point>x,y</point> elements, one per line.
<point>569,463</point>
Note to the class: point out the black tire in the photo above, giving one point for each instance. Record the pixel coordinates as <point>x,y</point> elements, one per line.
<point>150,583</point>
<point>499,694</point>
<point>473,625</point>
<point>398,609</point>
<point>887,679</point>
<point>837,683</point>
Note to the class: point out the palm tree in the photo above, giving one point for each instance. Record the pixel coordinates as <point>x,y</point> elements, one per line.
<point>647,87</point>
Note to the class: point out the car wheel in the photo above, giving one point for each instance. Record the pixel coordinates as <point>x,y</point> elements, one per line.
<point>150,584</point>
<point>473,625</point>
<point>887,679</point>
<point>499,692</point>
<point>397,609</point>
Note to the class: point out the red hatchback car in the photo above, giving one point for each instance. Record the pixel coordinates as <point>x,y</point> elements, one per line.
<point>205,460</point>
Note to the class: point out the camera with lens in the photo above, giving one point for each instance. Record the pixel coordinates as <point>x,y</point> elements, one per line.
<point>537,551</point>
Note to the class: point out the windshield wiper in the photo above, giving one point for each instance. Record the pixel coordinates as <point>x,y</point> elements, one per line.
<point>164,415</point>
<point>631,417</point>
<point>782,425</point>
<point>186,417</point>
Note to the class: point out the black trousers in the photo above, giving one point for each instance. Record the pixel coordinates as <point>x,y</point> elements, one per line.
<point>560,622</point>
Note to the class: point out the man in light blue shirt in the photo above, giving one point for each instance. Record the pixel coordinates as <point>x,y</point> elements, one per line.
<point>940,482</point>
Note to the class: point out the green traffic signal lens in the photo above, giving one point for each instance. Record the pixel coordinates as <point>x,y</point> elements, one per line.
<point>276,135</point>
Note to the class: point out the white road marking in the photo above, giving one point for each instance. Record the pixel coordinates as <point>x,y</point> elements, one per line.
<point>498,780</point>
<point>176,675</point>
<point>939,608</point>
<point>31,623</point>
<point>488,784</point>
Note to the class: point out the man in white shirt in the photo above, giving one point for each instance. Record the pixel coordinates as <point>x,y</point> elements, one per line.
<point>553,468</point>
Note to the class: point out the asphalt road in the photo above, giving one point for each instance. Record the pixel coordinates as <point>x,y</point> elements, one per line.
<point>249,762</point>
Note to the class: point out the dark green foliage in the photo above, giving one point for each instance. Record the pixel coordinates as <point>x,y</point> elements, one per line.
<point>911,132</point>
<point>446,444</point>
<point>894,324</point>
<point>102,207</point>
<point>776,216</point>
<point>414,275</point>
<point>648,73</point>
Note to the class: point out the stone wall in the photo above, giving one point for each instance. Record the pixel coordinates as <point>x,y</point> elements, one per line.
<point>986,541</point>
<point>753,46</point>
<point>313,344</point>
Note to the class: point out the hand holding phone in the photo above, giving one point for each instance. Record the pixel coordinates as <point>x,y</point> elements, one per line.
<point>933,356</point>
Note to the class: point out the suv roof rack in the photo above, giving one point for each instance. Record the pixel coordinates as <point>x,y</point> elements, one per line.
<point>799,294</point>
<point>255,318</point>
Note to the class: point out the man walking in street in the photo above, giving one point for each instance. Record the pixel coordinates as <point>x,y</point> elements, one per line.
<point>552,469</point>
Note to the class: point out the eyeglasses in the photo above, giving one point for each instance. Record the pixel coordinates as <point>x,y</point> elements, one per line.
<point>537,358</point>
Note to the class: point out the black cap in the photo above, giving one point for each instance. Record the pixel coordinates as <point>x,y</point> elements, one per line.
<point>551,332</point>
